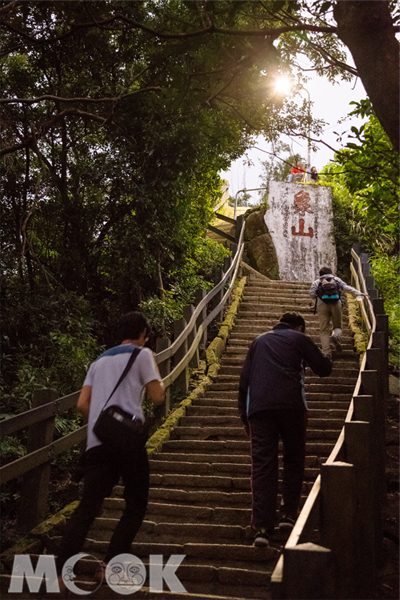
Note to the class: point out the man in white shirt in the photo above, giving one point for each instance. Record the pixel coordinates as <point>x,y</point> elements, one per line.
<point>105,465</point>
<point>329,309</point>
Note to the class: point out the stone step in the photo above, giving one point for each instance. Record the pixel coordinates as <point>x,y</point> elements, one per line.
<point>198,448</point>
<point>232,394</point>
<point>349,372</point>
<point>225,422</point>
<point>326,430</point>
<point>312,404</point>
<point>104,592</point>
<point>330,381</point>
<point>258,325</point>
<point>209,411</point>
<point>241,351</point>
<point>314,387</point>
<point>161,467</point>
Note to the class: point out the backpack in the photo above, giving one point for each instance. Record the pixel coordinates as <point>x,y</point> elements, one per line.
<point>328,289</point>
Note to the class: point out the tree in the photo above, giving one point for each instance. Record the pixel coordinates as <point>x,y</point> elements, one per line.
<point>278,170</point>
<point>368,170</point>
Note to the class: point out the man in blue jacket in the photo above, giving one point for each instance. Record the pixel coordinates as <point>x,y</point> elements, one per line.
<point>272,404</point>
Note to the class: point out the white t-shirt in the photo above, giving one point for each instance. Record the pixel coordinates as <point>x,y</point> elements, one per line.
<point>103,375</point>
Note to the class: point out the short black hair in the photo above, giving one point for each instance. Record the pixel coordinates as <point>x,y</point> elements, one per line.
<point>293,320</point>
<point>131,325</point>
<point>325,271</point>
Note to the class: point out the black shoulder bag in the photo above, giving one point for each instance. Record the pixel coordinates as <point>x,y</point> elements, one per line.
<point>117,428</point>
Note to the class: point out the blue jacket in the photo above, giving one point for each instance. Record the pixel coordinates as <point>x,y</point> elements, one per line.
<point>273,372</point>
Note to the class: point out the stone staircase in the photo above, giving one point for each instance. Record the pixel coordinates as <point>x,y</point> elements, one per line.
<point>200,483</point>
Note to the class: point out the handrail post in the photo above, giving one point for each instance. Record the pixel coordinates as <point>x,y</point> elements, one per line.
<point>369,385</point>
<point>181,383</point>
<point>200,294</point>
<point>218,297</point>
<point>165,369</point>
<point>32,508</point>
<point>239,223</point>
<point>187,315</point>
<point>307,573</point>
<point>338,515</point>
<point>359,452</point>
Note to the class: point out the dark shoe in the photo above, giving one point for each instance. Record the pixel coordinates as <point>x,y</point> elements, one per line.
<point>337,345</point>
<point>261,538</point>
<point>286,522</point>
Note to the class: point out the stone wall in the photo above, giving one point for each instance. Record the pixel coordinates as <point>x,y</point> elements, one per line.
<point>300,220</point>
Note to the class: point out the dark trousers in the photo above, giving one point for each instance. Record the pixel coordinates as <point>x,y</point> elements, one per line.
<point>102,471</point>
<point>265,429</point>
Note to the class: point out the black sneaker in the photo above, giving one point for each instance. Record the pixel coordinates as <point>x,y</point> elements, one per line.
<point>261,538</point>
<point>286,522</point>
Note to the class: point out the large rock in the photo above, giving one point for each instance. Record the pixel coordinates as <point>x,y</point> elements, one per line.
<point>259,247</point>
<point>261,254</point>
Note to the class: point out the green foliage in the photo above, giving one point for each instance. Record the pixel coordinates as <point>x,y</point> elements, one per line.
<point>197,273</point>
<point>11,448</point>
<point>369,172</point>
<point>385,270</point>
<point>47,342</point>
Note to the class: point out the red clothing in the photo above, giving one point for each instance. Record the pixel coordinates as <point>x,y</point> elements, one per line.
<point>296,170</point>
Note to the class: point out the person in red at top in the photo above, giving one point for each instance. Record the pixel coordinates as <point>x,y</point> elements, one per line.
<point>296,174</point>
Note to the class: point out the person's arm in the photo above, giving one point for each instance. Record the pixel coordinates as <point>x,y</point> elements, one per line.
<point>84,399</point>
<point>350,290</point>
<point>313,289</point>
<point>318,362</point>
<point>155,391</point>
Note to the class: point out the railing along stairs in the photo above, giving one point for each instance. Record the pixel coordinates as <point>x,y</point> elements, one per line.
<point>174,361</point>
<point>335,547</point>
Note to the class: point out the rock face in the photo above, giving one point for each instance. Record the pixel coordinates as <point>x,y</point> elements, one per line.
<point>259,247</point>
<point>300,220</point>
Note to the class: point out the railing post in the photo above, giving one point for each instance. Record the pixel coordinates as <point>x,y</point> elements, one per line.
<point>359,451</point>
<point>338,515</point>
<point>200,294</point>
<point>187,315</point>
<point>219,295</point>
<point>380,339</point>
<point>307,573</point>
<point>369,385</point>
<point>32,508</point>
<point>181,383</point>
<point>165,369</point>
<point>239,223</point>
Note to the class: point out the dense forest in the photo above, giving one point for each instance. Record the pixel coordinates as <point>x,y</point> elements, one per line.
<point>117,118</point>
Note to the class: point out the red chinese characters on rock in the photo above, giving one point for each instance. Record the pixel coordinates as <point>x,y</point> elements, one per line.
<point>301,206</point>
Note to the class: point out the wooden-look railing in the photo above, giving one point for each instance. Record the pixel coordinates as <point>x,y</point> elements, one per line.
<point>335,546</point>
<point>174,361</point>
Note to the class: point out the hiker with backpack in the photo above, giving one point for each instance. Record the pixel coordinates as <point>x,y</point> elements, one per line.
<point>327,290</point>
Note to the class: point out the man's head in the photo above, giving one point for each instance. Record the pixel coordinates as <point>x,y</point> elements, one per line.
<point>313,169</point>
<point>299,164</point>
<point>132,325</point>
<point>294,321</point>
<point>325,271</point>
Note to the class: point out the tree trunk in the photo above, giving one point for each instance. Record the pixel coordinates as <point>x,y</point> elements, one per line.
<point>367,30</point>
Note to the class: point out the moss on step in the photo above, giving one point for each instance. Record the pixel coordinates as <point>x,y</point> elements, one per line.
<point>217,347</point>
<point>355,324</point>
